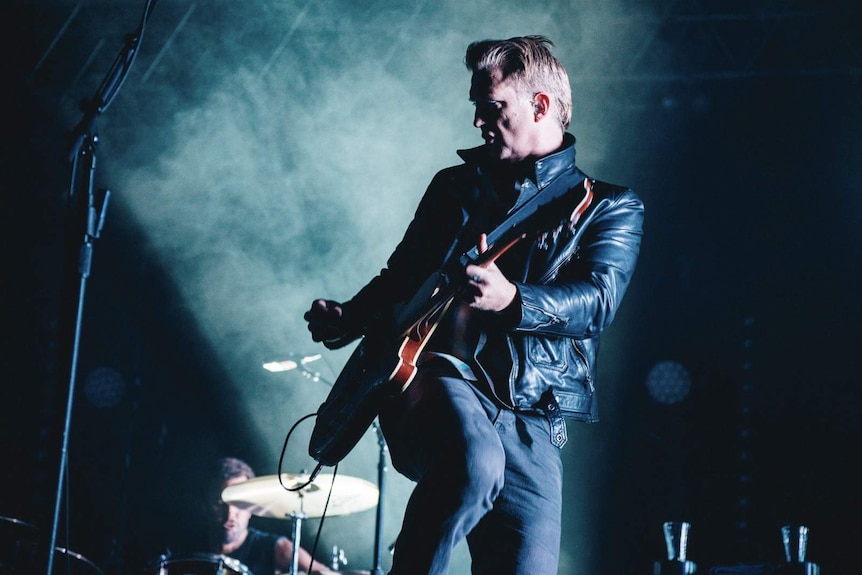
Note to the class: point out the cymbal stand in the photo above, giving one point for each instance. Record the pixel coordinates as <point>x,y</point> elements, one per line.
<point>381,478</point>
<point>296,530</point>
<point>381,484</point>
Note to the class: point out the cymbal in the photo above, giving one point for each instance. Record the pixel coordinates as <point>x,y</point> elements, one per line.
<point>265,497</point>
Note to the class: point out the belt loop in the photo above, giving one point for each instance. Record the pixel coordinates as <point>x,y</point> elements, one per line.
<point>559,436</point>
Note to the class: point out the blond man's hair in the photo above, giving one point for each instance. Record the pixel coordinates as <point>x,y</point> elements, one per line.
<point>529,62</point>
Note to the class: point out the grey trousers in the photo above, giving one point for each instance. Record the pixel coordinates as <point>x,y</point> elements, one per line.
<point>485,473</point>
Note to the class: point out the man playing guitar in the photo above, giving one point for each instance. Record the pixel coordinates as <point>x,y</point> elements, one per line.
<point>478,419</point>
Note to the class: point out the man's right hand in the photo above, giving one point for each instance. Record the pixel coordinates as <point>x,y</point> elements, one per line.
<point>326,322</point>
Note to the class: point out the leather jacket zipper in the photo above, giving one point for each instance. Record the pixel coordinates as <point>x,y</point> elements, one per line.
<point>583,356</point>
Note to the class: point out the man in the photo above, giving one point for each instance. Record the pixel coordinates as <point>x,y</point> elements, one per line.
<point>481,425</point>
<point>229,532</point>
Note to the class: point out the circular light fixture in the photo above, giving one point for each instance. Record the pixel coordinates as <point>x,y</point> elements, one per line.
<point>668,382</point>
<point>104,387</point>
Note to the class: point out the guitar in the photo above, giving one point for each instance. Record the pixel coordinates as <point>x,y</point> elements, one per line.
<point>384,365</point>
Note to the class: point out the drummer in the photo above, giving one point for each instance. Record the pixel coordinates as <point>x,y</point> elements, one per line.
<point>229,532</point>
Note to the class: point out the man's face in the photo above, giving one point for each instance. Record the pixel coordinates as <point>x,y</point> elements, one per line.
<point>505,117</point>
<point>231,520</point>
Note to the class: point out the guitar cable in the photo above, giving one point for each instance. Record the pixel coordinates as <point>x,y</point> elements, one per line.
<point>311,479</point>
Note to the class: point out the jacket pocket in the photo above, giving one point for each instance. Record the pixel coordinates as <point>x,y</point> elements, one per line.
<point>554,363</point>
<point>547,352</point>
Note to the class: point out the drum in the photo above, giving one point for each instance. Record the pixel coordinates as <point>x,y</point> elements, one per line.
<point>197,564</point>
<point>66,561</point>
<point>17,545</point>
<point>21,553</point>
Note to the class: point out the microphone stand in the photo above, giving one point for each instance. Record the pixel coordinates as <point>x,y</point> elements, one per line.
<point>83,145</point>
<point>93,231</point>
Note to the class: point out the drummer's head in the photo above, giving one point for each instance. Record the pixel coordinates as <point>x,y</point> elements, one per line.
<point>230,521</point>
<point>232,468</point>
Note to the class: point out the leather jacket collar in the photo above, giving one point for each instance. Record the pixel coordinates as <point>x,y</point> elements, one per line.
<point>543,171</point>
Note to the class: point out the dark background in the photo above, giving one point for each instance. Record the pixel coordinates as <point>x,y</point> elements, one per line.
<point>262,154</point>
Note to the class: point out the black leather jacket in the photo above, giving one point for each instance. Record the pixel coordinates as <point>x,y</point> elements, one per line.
<point>570,281</point>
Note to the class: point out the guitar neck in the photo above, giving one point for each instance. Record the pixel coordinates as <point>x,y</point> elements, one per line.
<point>520,219</point>
<point>444,294</point>
<point>486,258</point>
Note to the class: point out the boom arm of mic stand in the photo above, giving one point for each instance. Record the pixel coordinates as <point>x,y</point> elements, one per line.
<point>109,87</point>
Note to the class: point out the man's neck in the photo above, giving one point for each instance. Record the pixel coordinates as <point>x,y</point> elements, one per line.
<point>547,142</point>
<point>229,547</point>
<point>524,168</point>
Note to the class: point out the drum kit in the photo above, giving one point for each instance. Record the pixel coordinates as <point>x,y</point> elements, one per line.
<point>290,496</point>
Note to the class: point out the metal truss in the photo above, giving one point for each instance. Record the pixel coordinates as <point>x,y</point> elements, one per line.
<point>692,40</point>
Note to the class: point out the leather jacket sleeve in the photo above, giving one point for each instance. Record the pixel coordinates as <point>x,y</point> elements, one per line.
<point>581,292</point>
<point>425,245</point>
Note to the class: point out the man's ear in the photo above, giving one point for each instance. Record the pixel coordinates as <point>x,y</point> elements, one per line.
<point>541,105</point>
